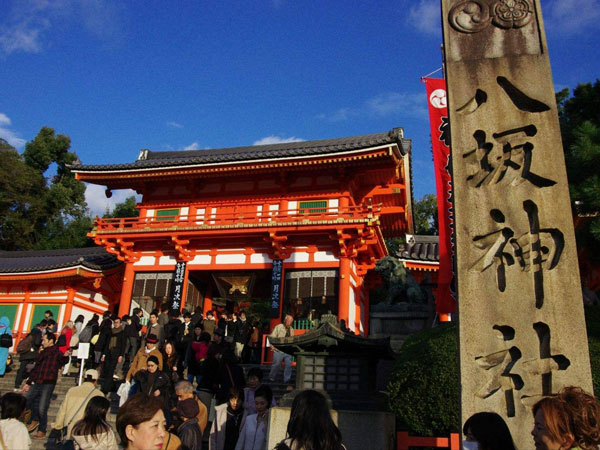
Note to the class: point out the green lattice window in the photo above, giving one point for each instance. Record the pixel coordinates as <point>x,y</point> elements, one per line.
<point>167,214</point>
<point>314,207</point>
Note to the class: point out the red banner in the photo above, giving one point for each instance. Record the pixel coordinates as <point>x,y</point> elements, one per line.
<point>440,141</point>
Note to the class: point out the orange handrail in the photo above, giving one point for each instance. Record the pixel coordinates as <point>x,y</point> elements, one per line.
<point>405,441</point>
<point>242,217</point>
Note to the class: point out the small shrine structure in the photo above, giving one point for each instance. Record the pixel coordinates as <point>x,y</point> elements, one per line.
<point>65,282</point>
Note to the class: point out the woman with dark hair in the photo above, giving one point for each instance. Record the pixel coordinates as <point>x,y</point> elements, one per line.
<point>569,419</point>
<point>14,432</point>
<point>93,431</point>
<point>254,381</point>
<point>171,361</point>
<point>487,431</point>
<point>253,432</point>
<point>104,334</point>
<point>141,423</point>
<point>197,351</point>
<point>310,426</point>
<point>229,416</point>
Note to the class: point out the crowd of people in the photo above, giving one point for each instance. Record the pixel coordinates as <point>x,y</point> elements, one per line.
<point>181,386</point>
<point>187,363</point>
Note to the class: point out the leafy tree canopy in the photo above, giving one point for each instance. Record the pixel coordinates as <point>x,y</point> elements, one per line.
<point>42,205</point>
<point>425,215</point>
<point>124,209</point>
<point>579,117</point>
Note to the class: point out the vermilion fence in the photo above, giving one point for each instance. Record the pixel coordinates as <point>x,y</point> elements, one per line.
<point>235,216</point>
<point>405,442</point>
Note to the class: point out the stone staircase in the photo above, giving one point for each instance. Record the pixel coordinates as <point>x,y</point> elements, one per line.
<point>65,382</point>
<point>7,384</point>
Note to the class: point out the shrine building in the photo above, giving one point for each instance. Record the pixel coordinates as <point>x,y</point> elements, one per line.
<point>66,282</point>
<point>298,225</point>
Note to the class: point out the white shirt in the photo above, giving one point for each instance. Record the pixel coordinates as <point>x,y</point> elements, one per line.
<point>15,434</point>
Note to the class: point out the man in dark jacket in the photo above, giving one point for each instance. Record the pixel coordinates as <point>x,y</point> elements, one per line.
<point>173,328</point>
<point>189,432</point>
<point>113,352</point>
<point>242,334</point>
<point>41,382</point>
<point>29,356</point>
<point>132,334</point>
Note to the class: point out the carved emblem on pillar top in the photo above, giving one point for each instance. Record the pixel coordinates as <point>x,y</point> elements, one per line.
<point>473,16</point>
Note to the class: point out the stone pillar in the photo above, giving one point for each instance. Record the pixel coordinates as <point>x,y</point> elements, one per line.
<point>521,320</point>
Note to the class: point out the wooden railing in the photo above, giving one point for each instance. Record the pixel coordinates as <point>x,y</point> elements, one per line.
<point>405,442</point>
<point>242,216</point>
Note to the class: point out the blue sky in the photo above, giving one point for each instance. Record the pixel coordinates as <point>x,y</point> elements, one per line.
<point>119,76</point>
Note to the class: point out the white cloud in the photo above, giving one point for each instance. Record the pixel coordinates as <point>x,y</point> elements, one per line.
<point>569,17</point>
<point>174,124</point>
<point>276,140</point>
<point>9,135</point>
<point>425,16</point>
<point>193,146</point>
<point>383,105</point>
<point>27,23</point>
<point>98,203</point>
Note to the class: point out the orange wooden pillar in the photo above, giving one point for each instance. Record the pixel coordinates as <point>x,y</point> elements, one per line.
<point>208,304</point>
<point>69,305</point>
<point>344,290</point>
<point>127,290</point>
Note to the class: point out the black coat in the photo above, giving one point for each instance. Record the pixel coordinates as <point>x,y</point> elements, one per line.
<point>161,383</point>
<point>119,345</point>
<point>190,435</point>
<point>173,331</point>
<point>242,332</point>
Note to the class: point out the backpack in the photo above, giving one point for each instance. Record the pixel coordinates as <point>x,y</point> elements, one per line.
<point>6,340</point>
<point>25,344</point>
<point>86,334</point>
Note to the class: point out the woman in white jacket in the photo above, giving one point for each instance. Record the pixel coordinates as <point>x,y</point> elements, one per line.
<point>228,421</point>
<point>253,435</point>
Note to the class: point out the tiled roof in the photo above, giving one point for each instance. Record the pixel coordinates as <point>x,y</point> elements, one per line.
<point>420,248</point>
<point>95,258</point>
<point>150,159</point>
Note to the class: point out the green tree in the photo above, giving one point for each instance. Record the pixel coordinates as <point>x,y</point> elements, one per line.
<point>579,117</point>
<point>21,206</point>
<point>125,208</point>
<point>425,215</point>
<point>42,205</point>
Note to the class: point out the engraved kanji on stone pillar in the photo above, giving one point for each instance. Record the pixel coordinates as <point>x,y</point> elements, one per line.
<point>516,265</point>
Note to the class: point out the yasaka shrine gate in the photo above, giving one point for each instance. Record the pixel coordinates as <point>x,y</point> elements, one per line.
<point>298,226</point>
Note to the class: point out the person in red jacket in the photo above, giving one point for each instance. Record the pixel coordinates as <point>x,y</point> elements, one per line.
<point>41,382</point>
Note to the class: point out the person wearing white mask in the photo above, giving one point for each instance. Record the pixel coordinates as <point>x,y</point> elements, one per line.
<point>486,431</point>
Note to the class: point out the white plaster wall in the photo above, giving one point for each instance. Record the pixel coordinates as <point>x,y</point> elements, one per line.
<point>325,257</point>
<point>167,260</point>
<point>298,257</point>
<point>231,259</point>
<point>184,211</point>
<point>351,309</point>
<point>201,259</point>
<point>145,261</point>
<point>258,258</point>
<point>78,310</point>
<point>333,204</point>
<point>293,206</point>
